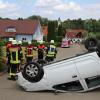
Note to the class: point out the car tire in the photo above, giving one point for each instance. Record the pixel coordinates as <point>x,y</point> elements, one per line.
<point>98,49</point>
<point>91,44</point>
<point>33,72</point>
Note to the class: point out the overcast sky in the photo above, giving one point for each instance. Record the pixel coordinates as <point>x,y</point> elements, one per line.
<point>52,9</point>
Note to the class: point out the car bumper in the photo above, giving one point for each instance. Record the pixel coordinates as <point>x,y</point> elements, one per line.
<point>28,86</point>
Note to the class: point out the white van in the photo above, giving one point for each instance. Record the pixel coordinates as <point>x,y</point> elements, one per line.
<point>80,73</point>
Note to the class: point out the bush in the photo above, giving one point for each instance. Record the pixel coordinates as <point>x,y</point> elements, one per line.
<point>34,40</point>
<point>2,43</point>
<point>58,44</point>
<point>24,43</point>
<point>1,65</point>
<point>98,36</point>
<point>35,43</point>
<point>59,38</point>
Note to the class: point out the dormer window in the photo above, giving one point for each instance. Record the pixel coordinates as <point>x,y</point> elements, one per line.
<point>10,29</point>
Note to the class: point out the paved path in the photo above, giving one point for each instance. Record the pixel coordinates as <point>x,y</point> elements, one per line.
<point>10,91</point>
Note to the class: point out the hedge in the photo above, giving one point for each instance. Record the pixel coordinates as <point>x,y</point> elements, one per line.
<point>98,36</point>
<point>58,44</point>
<point>1,65</point>
<point>2,43</point>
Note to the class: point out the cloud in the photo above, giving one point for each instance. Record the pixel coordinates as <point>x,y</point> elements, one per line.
<point>55,8</point>
<point>92,7</point>
<point>6,5</point>
<point>51,9</point>
<point>68,6</point>
<point>8,9</point>
<point>47,3</point>
<point>89,11</point>
<point>67,9</point>
<point>59,5</point>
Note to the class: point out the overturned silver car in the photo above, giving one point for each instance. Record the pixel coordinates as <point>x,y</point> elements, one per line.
<point>80,73</point>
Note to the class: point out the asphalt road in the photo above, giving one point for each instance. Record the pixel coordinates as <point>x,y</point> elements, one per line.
<point>9,90</point>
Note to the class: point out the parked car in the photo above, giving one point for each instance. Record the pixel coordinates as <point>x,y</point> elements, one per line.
<point>77,40</point>
<point>66,42</point>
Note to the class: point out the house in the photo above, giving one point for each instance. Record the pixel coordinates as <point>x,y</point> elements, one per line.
<point>24,30</point>
<point>75,33</point>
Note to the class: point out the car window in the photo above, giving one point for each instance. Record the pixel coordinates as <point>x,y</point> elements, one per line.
<point>71,86</point>
<point>93,81</point>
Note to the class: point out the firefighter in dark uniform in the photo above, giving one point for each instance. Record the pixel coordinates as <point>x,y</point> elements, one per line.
<point>20,53</point>
<point>41,49</point>
<point>51,52</point>
<point>14,61</point>
<point>29,52</point>
<point>8,46</point>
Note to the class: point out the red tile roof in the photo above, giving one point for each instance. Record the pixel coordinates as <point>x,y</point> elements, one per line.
<point>72,33</point>
<point>21,26</point>
<point>75,30</point>
<point>45,30</point>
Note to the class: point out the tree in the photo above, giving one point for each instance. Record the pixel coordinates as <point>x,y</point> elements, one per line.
<point>51,31</point>
<point>43,21</point>
<point>60,30</point>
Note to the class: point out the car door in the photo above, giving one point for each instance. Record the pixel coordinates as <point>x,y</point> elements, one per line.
<point>88,68</point>
<point>64,76</point>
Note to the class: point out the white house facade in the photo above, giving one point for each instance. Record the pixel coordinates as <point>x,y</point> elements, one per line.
<point>24,30</point>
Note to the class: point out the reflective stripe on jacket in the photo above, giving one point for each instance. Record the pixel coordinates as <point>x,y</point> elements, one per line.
<point>51,51</point>
<point>14,56</point>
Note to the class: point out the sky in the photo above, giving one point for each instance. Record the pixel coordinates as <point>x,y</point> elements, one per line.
<point>51,9</point>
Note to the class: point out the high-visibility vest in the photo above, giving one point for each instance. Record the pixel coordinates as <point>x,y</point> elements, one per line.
<point>29,52</point>
<point>51,51</point>
<point>14,56</point>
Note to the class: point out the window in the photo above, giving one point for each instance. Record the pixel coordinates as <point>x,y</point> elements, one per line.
<point>71,86</point>
<point>93,81</point>
<point>11,29</point>
<point>23,39</point>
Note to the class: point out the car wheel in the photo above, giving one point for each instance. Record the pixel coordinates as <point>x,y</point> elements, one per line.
<point>91,44</point>
<point>98,49</point>
<point>33,72</point>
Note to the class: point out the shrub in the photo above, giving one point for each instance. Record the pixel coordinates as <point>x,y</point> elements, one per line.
<point>35,43</point>
<point>98,36</point>
<point>24,43</point>
<point>2,43</point>
<point>1,65</point>
<point>59,38</point>
<point>58,44</point>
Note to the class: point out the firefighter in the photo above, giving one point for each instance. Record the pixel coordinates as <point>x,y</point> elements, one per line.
<point>14,61</point>
<point>29,52</point>
<point>20,53</point>
<point>8,46</point>
<point>41,49</point>
<point>51,52</point>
